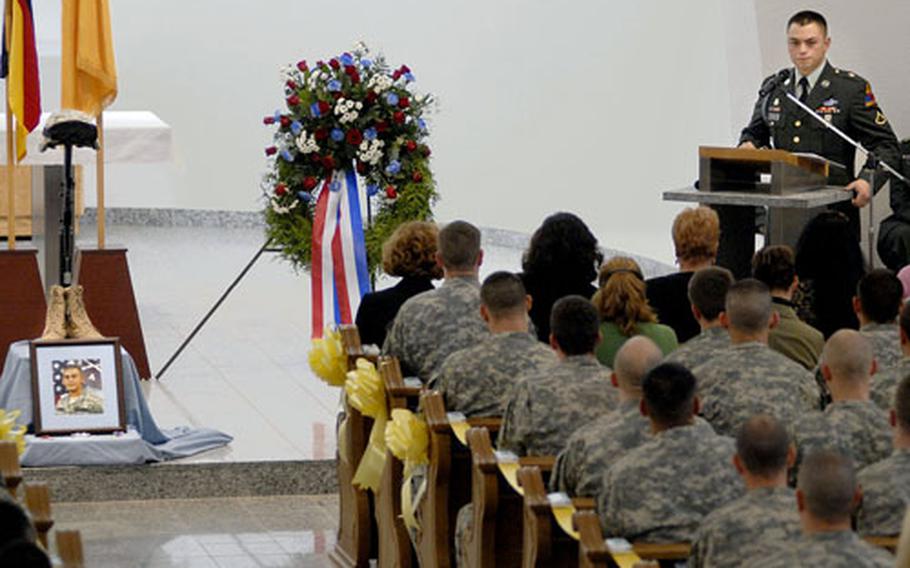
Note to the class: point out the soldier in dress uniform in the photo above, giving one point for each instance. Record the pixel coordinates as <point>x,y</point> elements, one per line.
<point>434,324</point>
<point>477,380</point>
<point>886,484</point>
<point>707,292</point>
<point>79,398</point>
<point>767,513</point>
<point>841,97</point>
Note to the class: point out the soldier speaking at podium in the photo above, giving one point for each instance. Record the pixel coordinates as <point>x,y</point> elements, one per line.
<point>841,97</point>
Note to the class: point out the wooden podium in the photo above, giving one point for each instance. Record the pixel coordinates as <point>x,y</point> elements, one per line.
<point>734,181</point>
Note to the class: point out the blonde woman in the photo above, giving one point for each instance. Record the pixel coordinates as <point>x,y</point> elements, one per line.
<point>624,311</point>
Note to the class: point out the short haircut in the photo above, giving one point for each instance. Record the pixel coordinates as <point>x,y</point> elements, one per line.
<point>503,293</point>
<point>411,250</point>
<point>902,403</point>
<point>669,390</point>
<point>15,523</point>
<point>827,480</point>
<point>748,305</point>
<point>634,359</point>
<point>708,290</point>
<point>696,234</point>
<point>806,17</point>
<point>849,355</point>
<point>575,325</point>
<point>762,444</point>
<point>880,293</point>
<point>459,245</point>
<point>72,365</point>
<point>775,265</point>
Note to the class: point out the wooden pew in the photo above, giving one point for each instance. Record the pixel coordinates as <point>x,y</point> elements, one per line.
<point>394,544</point>
<point>38,502</point>
<point>354,543</point>
<point>9,466</point>
<point>496,537</point>
<point>69,548</point>
<point>889,543</point>
<point>592,550</point>
<point>448,483</point>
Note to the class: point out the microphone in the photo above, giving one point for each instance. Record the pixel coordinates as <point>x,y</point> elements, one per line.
<point>783,77</point>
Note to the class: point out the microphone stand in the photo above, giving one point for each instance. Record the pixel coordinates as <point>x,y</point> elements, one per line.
<point>871,158</point>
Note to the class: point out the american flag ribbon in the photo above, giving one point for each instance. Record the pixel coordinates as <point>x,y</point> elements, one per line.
<point>339,260</point>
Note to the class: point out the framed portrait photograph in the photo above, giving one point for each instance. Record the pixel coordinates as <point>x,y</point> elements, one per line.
<point>77,386</point>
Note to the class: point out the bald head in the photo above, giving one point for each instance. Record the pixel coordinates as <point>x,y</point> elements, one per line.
<point>848,355</point>
<point>634,359</point>
<point>748,306</point>
<point>762,444</point>
<point>827,482</point>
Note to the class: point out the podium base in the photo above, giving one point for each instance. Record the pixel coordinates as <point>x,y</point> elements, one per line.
<point>22,304</point>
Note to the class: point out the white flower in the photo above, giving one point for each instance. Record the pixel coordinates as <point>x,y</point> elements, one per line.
<point>277,208</point>
<point>306,144</point>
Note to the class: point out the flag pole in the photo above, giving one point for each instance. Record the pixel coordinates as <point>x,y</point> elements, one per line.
<point>99,178</point>
<point>10,159</point>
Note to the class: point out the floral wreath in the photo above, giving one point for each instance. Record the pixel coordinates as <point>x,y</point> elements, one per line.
<point>349,112</point>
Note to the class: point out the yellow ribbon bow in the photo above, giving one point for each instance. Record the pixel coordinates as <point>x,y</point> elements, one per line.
<point>407,437</point>
<point>327,358</point>
<point>366,393</point>
<point>9,430</point>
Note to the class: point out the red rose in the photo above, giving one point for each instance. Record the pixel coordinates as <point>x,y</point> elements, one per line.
<point>320,63</point>
<point>334,64</point>
<point>309,183</point>
<point>354,137</point>
<point>398,117</point>
<point>281,189</point>
<point>316,158</point>
<point>350,69</point>
<point>268,120</point>
<point>290,84</point>
<point>328,163</point>
<point>396,75</point>
<point>417,177</point>
<point>390,192</point>
<point>410,145</point>
<point>285,120</point>
<point>381,126</point>
<point>371,98</point>
<point>271,150</point>
<point>293,100</point>
<point>361,167</point>
<point>425,150</point>
<point>337,95</point>
<point>324,107</point>
<point>403,102</point>
<point>355,78</point>
<point>405,69</point>
<point>321,134</point>
<point>302,65</point>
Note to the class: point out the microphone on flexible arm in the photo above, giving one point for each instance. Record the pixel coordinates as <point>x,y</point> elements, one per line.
<point>774,81</point>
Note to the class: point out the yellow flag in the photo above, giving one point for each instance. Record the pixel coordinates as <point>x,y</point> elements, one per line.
<point>89,73</point>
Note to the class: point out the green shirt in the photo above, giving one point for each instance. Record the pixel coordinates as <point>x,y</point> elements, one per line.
<point>613,339</point>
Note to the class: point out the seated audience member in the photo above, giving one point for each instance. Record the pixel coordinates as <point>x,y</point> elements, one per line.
<point>877,304</point>
<point>624,310</point>
<point>707,293</point>
<point>884,383</point>
<point>826,496</point>
<point>852,424</point>
<point>776,267</point>
<point>886,484</point>
<point>904,276</point>
<point>545,408</point>
<point>829,264</point>
<point>766,514</point>
<point>696,235</point>
<point>749,378</point>
<point>434,324</point>
<point>15,523</point>
<point>661,490</point>
<point>411,254</point>
<point>561,260</point>
<point>476,380</point>
<point>595,446</point>
<point>24,554</point>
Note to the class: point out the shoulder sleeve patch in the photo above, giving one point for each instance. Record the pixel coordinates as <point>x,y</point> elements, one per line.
<point>869,97</point>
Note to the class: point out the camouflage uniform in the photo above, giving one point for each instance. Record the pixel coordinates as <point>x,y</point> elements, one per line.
<point>700,348</point>
<point>591,450</point>
<point>478,380</point>
<point>434,324</point>
<point>661,490</point>
<point>743,529</point>
<point>89,402</point>
<point>886,495</point>
<point>546,408</point>
<point>886,343</point>
<point>885,382</point>
<point>856,428</point>
<point>749,379</point>
<point>841,549</point>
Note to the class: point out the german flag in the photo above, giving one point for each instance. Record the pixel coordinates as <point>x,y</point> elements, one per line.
<point>19,67</point>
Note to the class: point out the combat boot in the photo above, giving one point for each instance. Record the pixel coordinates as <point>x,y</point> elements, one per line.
<point>55,321</point>
<point>78,324</point>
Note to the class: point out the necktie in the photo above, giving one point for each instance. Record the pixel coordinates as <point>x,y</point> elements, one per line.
<point>804,89</point>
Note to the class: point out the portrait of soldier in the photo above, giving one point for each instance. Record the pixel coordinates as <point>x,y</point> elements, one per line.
<point>79,397</point>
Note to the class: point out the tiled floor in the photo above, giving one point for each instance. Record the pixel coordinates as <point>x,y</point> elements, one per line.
<point>288,531</point>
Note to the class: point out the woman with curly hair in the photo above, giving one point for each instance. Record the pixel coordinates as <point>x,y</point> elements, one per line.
<point>410,252</point>
<point>624,310</point>
<point>561,260</point>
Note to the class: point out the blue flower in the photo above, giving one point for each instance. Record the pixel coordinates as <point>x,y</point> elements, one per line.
<point>369,134</point>
<point>337,134</point>
<point>393,168</point>
<point>392,99</point>
<point>296,127</point>
<point>314,110</point>
<point>422,124</point>
<point>335,186</point>
<point>347,59</point>
<point>287,155</point>
<point>334,85</point>
<point>366,63</point>
<point>277,116</point>
<point>304,196</point>
<point>409,77</point>
<point>372,189</point>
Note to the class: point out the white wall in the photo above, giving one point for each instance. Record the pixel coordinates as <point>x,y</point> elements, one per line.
<point>589,106</point>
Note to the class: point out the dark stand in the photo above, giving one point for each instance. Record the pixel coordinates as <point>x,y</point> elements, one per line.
<point>67,231</point>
